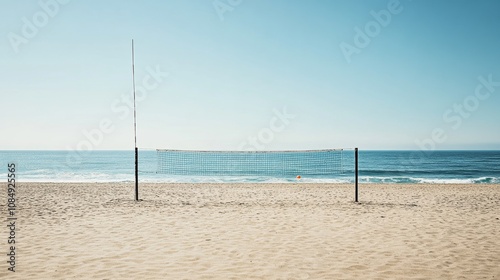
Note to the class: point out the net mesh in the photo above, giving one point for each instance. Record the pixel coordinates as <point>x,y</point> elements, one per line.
<point>244,163</point>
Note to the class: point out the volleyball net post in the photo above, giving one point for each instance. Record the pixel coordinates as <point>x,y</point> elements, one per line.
<point>136,174</point>
<point>356,175</point>
<point>135,129</point>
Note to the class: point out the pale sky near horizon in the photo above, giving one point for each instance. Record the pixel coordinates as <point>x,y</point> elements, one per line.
<point>261,74</point>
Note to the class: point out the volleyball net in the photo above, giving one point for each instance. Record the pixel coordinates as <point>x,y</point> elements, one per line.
<point>279,164</point>
<point>329,165</point>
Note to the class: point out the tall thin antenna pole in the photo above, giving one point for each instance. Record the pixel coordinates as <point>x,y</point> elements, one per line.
<point>135,131</point>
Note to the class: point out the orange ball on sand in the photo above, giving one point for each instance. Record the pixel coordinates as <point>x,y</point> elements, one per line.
<point>298,177</point>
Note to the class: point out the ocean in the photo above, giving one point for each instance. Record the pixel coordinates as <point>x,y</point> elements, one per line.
<point>472,167</point>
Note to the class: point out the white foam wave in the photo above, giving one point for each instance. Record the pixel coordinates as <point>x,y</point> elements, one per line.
<point>413,180</point>
<point>64,176</point>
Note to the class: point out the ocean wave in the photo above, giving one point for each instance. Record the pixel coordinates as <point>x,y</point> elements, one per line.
<point>64,176</point>
<point>413,180</point>
<point>205,179</point>
<point>67,177</point>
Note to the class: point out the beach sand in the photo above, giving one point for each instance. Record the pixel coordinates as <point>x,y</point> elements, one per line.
<point>254,231</point>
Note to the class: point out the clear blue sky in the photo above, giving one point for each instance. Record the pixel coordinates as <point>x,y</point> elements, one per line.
<point>231,65</point>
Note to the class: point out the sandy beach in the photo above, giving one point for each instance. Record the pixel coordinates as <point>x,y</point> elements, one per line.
<point>255,231</point>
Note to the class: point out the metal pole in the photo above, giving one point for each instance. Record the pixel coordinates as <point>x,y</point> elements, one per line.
<point>135,131</point>
<point>136,174</point>
<point>356,174</point>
